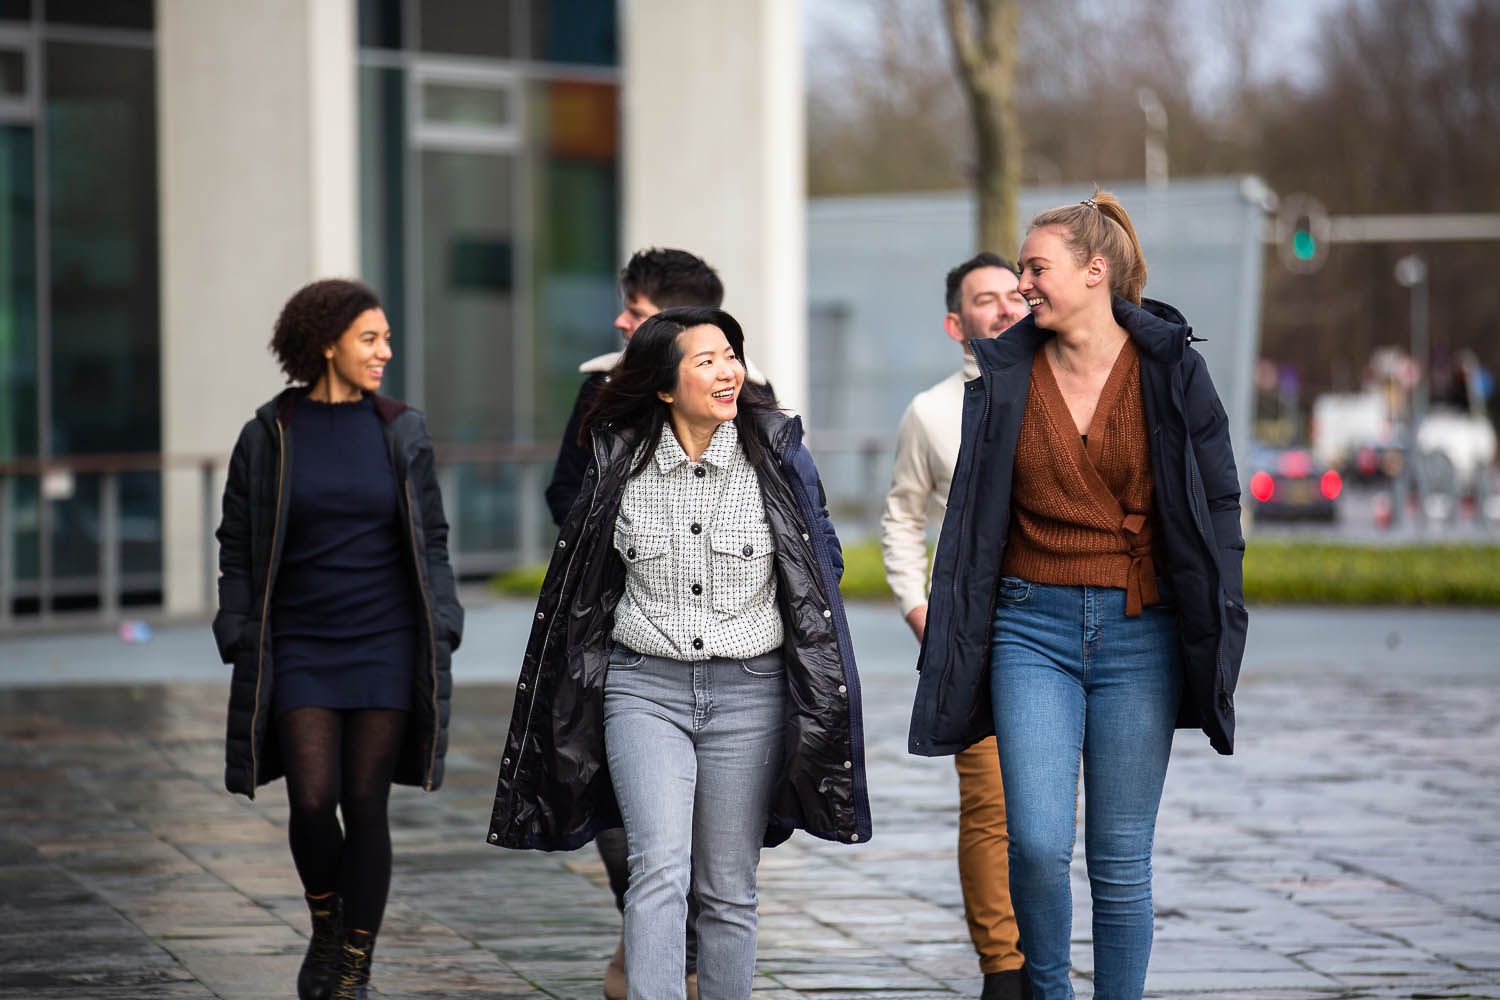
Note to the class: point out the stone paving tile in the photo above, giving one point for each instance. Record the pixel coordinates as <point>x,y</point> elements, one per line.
<point>1350,849</point>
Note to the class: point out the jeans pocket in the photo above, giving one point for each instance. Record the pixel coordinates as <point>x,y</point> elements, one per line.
<point>624,658</point>
<point>1014,591</point>
<point>769,665</point>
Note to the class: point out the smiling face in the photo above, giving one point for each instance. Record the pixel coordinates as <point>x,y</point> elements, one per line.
<point>356,361</point>
<point>1056,287</point>
<point>991,303</point>
<point>709,378</point>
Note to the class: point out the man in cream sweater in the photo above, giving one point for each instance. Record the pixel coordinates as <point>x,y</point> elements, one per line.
<point>982,300</point>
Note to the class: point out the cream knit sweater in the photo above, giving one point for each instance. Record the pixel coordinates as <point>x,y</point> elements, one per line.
<point>926,451</point>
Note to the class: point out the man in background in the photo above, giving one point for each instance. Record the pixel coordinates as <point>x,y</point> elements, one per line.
<point>983,301</point>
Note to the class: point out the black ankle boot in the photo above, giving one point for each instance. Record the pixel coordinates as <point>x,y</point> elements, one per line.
<point>354,966</point>
<point>316,977</point>
<point>1010,985</point>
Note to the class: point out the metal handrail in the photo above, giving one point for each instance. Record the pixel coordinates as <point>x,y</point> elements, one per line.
<point>533,458</point>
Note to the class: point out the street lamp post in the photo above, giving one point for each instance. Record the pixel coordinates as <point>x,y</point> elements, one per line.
<point>1411,272</point>
<point>1156,138</point>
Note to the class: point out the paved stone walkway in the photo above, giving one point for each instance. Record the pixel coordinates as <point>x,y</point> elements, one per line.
<point>1351,847</point>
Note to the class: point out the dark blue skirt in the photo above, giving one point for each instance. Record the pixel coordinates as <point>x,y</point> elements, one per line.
<point>367,671</point>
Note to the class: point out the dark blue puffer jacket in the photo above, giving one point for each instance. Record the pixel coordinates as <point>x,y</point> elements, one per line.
<point>1197,502</point>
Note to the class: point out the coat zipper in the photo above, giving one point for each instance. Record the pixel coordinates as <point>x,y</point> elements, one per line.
<point>265,609</point>
<point>411,521</point>
<point>963,534</point>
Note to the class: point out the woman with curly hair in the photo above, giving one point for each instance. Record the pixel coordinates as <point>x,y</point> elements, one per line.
<point>337,610</point>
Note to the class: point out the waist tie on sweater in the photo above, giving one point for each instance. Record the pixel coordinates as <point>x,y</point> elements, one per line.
<point>1140,579</point>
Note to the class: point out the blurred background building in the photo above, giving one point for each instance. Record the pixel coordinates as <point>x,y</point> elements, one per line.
<point>171,170</point>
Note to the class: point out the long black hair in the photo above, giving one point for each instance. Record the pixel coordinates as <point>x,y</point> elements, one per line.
<point>628,402</point>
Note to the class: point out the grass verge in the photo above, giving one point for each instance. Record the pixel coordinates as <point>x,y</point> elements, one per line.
<point>1275,573</point>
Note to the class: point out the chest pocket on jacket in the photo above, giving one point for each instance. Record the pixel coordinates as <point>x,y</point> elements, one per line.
<point>741,566</point>
<point>648,569</point>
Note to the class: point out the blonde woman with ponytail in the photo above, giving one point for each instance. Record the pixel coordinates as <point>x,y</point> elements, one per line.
<point>1086,595</point>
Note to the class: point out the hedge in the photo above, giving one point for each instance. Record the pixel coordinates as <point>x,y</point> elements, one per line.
<point>1275,573</point>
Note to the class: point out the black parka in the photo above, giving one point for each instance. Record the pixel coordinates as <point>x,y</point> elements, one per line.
<point>1197,502</point>
<point>251,533</point>
<point>554,791</point>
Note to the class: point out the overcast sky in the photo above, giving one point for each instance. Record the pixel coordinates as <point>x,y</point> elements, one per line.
<point>1290,26</point>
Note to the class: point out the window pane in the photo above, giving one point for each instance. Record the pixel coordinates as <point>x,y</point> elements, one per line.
<point>101,156</point>
<point>105,378</point>
<point>18,341</point>
<point>382,198</point>
<point>467,28</point>
<point>574,31</point>
<point>112,14</point>
<point>461,104</point>
<point>380,24</point>
<point>472,368</point>
<point>576,241</point>
<point>12,73</point>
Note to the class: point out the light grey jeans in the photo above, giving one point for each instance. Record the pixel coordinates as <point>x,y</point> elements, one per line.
<point>694,751</point>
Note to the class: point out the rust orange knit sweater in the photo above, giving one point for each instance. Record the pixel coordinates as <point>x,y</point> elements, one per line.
<point>1081,514</point>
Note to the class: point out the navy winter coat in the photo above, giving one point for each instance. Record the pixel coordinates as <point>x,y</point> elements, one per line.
<point>554,791</point>
<point>251,534</point>
<point>1197,504</point>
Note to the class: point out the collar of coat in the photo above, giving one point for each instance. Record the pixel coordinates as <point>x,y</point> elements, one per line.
<point>1160,333</point>
<point>777,430</point>
<point>285,402</point>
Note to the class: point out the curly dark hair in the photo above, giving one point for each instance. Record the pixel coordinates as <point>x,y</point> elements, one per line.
<point>314,318</point>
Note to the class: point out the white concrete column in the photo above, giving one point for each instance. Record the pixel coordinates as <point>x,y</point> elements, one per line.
<point>713,160</point>
<point>258,150</point>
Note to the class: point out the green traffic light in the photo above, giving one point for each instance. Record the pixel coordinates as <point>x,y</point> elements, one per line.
<point>1304,247</point>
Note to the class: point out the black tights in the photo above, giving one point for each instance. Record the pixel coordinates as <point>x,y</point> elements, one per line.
<point>342,762</point>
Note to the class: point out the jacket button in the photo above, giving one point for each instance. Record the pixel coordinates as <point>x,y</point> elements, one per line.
<point>804,536</point>
<point>697,589</point>
<point>827,613</point>
<point>541,615</point>
<point>494,837</point>
<point>843,689</point>
<point>696,528</point>
<point>749,549</point>
<point>697,643</point>
<point>853,837</point>
<point>521,686</point>
<point>589,471</point>
<point>562,543</point>
<point>630,552</point>
<point>848,764</point>
<point>506,762</point>
<point>700,472</point>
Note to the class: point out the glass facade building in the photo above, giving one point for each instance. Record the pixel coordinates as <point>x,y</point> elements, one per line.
<point>489,221</point>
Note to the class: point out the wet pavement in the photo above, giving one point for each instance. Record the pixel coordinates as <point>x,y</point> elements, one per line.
<point>1350,848</point>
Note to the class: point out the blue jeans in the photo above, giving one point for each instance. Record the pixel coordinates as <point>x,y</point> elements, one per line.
<point>694,750</point>
<point>1072,677</point>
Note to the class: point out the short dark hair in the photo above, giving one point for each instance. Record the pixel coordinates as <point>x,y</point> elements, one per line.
<point>954,298</point>
<point>628,402</point>
<point>316,316</point>
<point>671,278</point>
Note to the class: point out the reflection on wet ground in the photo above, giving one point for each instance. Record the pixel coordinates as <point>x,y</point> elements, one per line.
<point>1351,848</point>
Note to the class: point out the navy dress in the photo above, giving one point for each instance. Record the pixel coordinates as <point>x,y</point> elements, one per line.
<point>343,614</point>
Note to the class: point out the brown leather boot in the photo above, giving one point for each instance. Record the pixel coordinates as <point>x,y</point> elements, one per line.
<point>320,964</point>
<point>354,966</point>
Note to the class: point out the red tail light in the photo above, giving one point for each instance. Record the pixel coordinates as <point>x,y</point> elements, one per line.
<point>1332,484</point>
<point>1294,464</point>
<point>1262,486</point>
